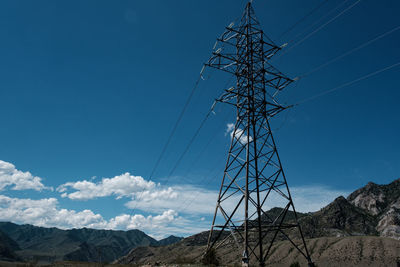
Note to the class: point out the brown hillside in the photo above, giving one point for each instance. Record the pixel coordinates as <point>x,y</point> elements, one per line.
<point>325,251</point>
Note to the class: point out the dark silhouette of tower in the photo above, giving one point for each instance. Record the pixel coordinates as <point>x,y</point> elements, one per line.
<point>253,172</point>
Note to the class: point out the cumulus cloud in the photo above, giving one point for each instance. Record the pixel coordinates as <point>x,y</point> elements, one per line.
<point>308,198</point>
<point>178,209</point>
<point>184,199</point>
<point>139,221</point>
<point>46,213</point>
<point>239,135</point>
<point>120,186</point>
<point>18,180</point>
<point>193,200</point>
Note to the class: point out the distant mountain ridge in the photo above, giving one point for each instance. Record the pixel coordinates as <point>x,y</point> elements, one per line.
<point>41,244</point>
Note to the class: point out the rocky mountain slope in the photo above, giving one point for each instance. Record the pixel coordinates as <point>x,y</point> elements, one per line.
<point>339,218</point>
<point>357,251</point>
<point>52,244</point>
<point>383,202</point>
<point>371,210</point>
<point>351,230</point>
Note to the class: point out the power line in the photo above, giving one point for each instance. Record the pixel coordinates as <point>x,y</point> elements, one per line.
<point>329,62</point>
<point>210,177</point>
<point>298,22</point>
<point>188,100</point>
<point>302,19</point>
<point>347,84</point>
<point>319,20</point>
<point>190,142</point>
<point>193,139</point>
<point>201,152</point>
<point>319,28</point>
<point>195,136</point>
<point>205,182</point>
<point>183,153</point>
<point>173,132</point>
<point>349,52</point>
<point>322,26</point>
<point>175,127</point>
<point>316,8</point>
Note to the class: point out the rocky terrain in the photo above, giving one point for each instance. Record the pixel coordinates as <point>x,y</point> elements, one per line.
<point>382,202</point>
<point>362,230</point>
<point>325,251</point>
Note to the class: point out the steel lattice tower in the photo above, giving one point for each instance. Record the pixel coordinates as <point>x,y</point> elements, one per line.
<point>253,170</point>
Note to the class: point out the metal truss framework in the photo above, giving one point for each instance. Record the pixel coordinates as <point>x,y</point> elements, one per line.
<point>253,171</point>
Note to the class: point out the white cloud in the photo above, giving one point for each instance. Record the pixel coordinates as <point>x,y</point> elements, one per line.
<point>239,135</point>
<point>184,199</point>
<point>159,226</point>
<point>309,198</point>
<point>18,180</point>
<point>179,209</point>
<point>121,186</point>
<point>46,213</point>
<point>139,221</point>
<point>230,127</point>
<point>199,201</point>
<point>160,194</point>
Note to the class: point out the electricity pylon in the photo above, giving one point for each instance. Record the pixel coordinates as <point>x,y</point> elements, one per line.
<point>253,171</point>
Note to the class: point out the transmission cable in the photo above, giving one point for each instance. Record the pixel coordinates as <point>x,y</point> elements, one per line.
<point>349,52</point>
<point>302,19</point>
<point>318,21</point>
<point>203,150</point>
<point>189,201</point>
<point>204,182</point>
<point>191,141</point>
<point>188,100</point>
<point>173,132</point>
<point>319,28</point>
<point>175,127</point>
<point>184,152</point>
<point>211,111</point>
<point>347,84</point>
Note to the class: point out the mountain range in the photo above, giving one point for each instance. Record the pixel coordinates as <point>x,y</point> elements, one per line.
<point>39,244</point>
<point>360,230</point>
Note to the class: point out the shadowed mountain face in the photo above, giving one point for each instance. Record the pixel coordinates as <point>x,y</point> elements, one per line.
<point>371,210</point>
<point>340,218</point>
<point>53,244</point>
<point>8,248</point>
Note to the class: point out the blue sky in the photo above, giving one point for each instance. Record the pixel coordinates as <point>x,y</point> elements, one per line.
<point>92,89</point>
